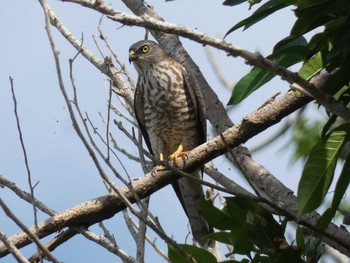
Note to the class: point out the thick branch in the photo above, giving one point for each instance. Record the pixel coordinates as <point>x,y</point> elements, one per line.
<point>216,113</point>
<point>101,208</point>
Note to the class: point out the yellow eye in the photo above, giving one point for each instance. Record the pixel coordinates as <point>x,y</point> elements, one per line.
<point>145,49</point>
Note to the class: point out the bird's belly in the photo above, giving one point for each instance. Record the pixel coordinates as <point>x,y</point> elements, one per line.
<point>169,124</point>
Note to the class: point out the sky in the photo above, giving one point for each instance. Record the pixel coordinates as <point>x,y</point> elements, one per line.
<point>59,164</point>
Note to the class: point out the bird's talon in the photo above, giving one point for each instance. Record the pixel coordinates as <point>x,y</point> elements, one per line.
<point>178,153</point>
<point>157,168</point>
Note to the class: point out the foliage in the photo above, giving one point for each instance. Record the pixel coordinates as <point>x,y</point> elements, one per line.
<point>251,230</point>
<point>327,51</point>
<point>306,134</point>
<point>319,169</point>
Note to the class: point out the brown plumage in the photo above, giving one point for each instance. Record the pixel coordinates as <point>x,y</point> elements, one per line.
<point>170,112</point>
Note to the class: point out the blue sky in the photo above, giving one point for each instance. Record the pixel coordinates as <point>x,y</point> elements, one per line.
<point>57,158</point>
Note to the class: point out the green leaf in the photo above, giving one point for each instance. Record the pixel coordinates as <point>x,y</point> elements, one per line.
<point>325,219</point>
<point>289,255</point>
<point>289,42</point>
<point>342,184</point>
<point>222,237</point>
<point>317,13</point>
<point>311,67</point>
<point>214,216</point>
<point>300,238</point>
<point>319,169</point>
<point>265,10</point>
<point>309,3</point>
<point>257,225</point>
<point>257,77</point>
<point>306,135</point>
<point>340,78</point>
<point>328,125</point>
<point>242,242</point>
<point>199,254</point>
<point>175,256</point>
<point>233,2</point>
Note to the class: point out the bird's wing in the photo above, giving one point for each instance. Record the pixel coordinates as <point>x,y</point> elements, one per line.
<point>188,191</point>
<point>140,114</point>
<point>198,102</point>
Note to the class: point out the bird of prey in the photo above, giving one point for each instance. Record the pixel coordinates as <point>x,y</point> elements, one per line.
<point>171,115</point>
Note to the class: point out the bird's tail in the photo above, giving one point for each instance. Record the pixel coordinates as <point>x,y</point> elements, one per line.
<point>189,192</point>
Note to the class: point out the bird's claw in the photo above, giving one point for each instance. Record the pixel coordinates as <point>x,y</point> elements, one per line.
<point>178,153</point>
<point>157,168</point>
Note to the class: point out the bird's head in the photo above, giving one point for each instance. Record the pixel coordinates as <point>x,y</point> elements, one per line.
<point>145,53</point>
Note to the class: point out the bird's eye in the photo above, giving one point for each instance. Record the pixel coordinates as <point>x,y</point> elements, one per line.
<point>145,49</point>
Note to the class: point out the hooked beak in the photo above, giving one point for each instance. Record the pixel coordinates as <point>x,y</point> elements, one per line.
<point>132,56</point>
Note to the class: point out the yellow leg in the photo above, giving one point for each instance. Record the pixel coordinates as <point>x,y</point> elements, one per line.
<point>178,153</point>
<point>159,167</point>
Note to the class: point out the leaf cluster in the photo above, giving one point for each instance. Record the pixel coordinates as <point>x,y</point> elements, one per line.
<point>249,229</point>
<point>327,50</point>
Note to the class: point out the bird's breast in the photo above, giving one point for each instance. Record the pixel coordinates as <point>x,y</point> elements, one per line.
<point>168,109</point>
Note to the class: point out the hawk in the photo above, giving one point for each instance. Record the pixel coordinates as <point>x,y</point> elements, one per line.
<point>171,115</point>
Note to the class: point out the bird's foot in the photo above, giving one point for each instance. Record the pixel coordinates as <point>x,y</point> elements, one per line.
<point>159,168</point>
<point>178,153</point>
<point>156,169</point>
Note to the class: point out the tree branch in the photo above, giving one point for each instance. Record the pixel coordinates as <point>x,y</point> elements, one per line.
<point>104,207</point>
<point>215,110</point>
<point>254,59</point>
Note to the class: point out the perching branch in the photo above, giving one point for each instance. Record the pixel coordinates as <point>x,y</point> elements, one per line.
<point>253,171</point>
<point>102,208</point>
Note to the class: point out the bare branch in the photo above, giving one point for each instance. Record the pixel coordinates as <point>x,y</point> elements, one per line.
<point>54,243</point>
<point>247,166</point>
<point>29,232</point>
<point>12,249</point>
<point>26,161</point>
<point>104,67</point>
<point>104,242</point>
<point>151,242</point>
<point>115,56</point>
<point>29,177</point>
<point>105,207</point>
<point>254,59</point>
<point>26,196</point>
<point>218,71</point>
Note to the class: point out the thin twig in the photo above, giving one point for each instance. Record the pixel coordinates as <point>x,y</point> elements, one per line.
<point>58,240</point>
<point>120,63</point>
<point>12,249</point>
<point>107,234</point>
<point>26,196</point>
<point>29,177</point>
<point>104,242</point>
<point>218,71</point>
<point>141,235</point>
<point>151,242</point>
<point>116,146</point>
<point>32,236</point>
<point>127,219</point>
<point>108,118</point>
